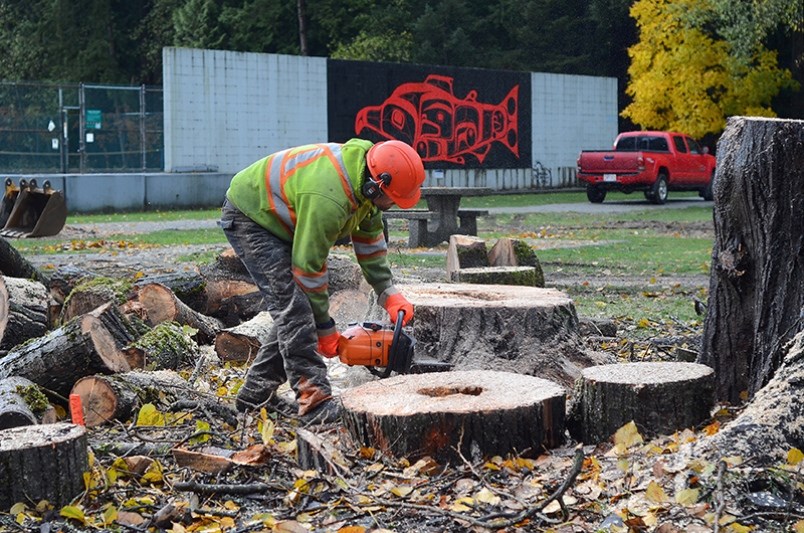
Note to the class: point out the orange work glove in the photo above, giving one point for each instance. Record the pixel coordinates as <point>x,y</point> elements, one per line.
<point>396,303</point>
<point>328,339</point>
<point>328,344</point>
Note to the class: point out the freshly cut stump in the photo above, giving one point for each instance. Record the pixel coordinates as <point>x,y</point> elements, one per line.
<point>475,412</point>
<point>659,397</point>
<point>44,462</point>
<point>525,330</point>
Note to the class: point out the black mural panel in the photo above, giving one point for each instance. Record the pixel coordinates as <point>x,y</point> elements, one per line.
<point>454,117</point>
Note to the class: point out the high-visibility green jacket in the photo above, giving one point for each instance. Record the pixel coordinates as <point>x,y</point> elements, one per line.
<point>310,196</point>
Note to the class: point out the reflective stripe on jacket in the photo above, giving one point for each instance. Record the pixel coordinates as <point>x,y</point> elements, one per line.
<point>310,196</point>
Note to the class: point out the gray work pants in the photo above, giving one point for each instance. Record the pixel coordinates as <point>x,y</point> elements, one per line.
<point>290,351</point>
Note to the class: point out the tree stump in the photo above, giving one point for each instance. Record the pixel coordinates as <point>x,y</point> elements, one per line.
<point>241,342</point>
<point>118,396</point>
<point>525,330</point>
<point>477,413</point>
<point>465,251</point>
<point>659,397</point>
<point>166,347</point>
<point>24,311</point>
<point>82,347</point>
<point>44,462</point>
<point>93,293</point>
<point>757,276</point>
<point>515,252</point>
<point>159,304</point>
<point>498,275</point>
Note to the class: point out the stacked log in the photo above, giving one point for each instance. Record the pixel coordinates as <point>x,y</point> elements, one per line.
<point>24,311</point>
<point>159,304</point>
<point>241,343</point>
<point>22,403</point>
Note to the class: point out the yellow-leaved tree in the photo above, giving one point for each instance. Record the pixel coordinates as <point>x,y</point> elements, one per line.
<point>683,79</point>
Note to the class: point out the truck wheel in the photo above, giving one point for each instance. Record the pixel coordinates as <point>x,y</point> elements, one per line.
<point>706,192</point>
<point>596,195</point>
<point>658,193</point>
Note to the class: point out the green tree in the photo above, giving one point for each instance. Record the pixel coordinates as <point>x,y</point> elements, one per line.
<point>682,78</point>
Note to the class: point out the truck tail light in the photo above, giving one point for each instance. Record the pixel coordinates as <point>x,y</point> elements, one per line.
<point>640,163</point>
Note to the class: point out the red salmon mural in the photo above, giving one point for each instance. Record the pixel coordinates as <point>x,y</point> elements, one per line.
<point>441,126</point>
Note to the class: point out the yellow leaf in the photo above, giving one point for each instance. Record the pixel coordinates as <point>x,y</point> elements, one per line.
<point>461,505</point>
<point>794,456</point>
<point>153,474</point>
<point>178,528</point>
<point>109,515</point>
<point>798,527</point>
<point>73,512</point>
<point>486,496</point>
<point>687,496</point>
<point>149,415</point>
<point>628,435</point>
<point>200,427</point>
<point>352,529</point>
<point>17,508</point>
<point>267,428</point>
<point>739,528</point>
<point>401,491</point>
<point>712,428</point>
<point>655,493</point>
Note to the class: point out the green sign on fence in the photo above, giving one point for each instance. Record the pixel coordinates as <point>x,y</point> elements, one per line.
<point>93,119</point>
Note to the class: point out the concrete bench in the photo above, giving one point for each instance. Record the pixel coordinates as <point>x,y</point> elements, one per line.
<point>428,228</point>
<point>417,224</point>
<point>468,220</point>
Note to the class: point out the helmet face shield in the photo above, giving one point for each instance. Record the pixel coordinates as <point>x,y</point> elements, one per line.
<point>399,171</point>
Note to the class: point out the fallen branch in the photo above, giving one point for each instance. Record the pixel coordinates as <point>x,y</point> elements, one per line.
<point>217,488</point>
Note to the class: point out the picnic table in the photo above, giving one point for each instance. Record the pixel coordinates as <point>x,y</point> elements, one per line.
<point>443,216</point>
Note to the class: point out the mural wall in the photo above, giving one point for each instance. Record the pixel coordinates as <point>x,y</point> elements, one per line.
<point>455,118</point>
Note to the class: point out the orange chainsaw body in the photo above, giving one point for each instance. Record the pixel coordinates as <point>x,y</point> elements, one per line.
<point>367,344</point>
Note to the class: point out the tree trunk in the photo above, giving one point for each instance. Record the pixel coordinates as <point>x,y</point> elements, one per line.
<point>118,396</point>
<point>44,462</point>
<point>756,289</point>
<point>476,413</point>
<point>159,304</point>
<point>525,330</point>
<point>82,347</point>
<point>241,343</point>
<point>18,399</point>
<point>659,397</point>
<point>24,311</point>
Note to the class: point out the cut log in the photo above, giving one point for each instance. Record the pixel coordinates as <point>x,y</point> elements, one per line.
<point>241,343</point>
<point>12,264</point>
<point>24,311</point>
<point>232,301</point>
<point>189,286</point>
<point>516,252</point>
<point>659,397</point>
<point>66,278</point>
<point>166,347</point>
<point>19,398</point>
<point>757,277</point>
<point>476,413</point>
<point>82,347</point>
<point>93,293</point>
<point>525,330</point>
<point>159,304</point>
<point>503,275</point>
<point>465,251</point>
<point>44,462</point>
<point>119,396</point>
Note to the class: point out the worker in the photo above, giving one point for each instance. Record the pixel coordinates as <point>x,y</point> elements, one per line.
<point>282,215</point>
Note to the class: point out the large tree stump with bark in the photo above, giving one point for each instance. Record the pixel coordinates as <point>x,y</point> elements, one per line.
<point>474,413</point>
<point>525,330</point>
<point>159,304</point>
<point>21,403</point>
<point>118,396</point>
<point>44,462</point>
<point>659,397</point>
<point>756,288</point>
<point>242,342</point>
<point>24,311</point>
<point>82,347</point>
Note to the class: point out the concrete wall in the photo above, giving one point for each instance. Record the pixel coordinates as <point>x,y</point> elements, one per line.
<point>224,110</point>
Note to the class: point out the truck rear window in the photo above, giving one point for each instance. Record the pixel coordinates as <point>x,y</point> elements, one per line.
<point>642,143</point>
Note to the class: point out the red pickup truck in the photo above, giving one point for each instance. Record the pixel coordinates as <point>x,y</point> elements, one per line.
<point>651,161</point>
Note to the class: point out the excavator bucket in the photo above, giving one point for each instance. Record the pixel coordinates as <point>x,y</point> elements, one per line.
<point>9,199</point>
<point>36,212</point>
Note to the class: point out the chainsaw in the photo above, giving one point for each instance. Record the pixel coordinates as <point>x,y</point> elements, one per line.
<point>383,348</point>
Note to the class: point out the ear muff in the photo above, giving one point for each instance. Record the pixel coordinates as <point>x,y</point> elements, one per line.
<point>373,189</point>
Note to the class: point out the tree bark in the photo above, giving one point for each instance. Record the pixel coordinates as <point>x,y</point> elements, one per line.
<point>24,311</point>
<point>14,265</point>
<point>498,275</point>
<point>82,347</point>
<point>515,252</point>
<point>44,462</point>
<point>659,397</point>
<point>241,342</point>
<point>159,304</point>
<point>16,398</point>
<point>474,413</point>
<point>118,396</point>
<point>165,347</point>
<point>465,251</point>
<point>525,330</point>
<point>756,289</point>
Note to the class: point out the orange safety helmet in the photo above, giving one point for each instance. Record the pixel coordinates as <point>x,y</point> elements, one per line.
<point>398,170</point>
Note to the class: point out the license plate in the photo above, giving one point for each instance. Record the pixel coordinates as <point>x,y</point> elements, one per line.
<point>609,177</point>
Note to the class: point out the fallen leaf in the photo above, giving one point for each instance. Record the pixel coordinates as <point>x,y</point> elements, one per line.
<point>655,493</point>
<point>794,456</point>
<point>687,496</point>
<point>628,436</point>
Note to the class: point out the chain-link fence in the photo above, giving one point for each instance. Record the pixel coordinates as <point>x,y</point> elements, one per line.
<point>68,128</point>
